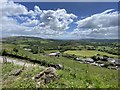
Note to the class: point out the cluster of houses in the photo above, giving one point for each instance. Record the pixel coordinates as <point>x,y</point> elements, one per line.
<point>102,62</point>
<point>109,63</point>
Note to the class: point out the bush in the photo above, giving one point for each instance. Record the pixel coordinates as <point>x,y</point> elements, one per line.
<point>4,52</point>
<point>15,50</point>
<point>94,58</point>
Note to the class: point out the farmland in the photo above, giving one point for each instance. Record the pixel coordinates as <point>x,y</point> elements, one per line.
<point>73,75</point>
<point>89,53</point>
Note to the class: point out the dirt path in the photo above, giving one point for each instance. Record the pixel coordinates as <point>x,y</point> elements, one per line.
<point>20,62</point>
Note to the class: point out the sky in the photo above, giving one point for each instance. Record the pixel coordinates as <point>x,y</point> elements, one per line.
<point>60,20</point>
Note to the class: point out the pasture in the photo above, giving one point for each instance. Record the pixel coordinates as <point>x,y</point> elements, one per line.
<point>74,74</point>
<point>88,53</point>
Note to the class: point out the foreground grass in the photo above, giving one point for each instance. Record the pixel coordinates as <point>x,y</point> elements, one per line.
<point>24,80</point>
<point>82,77</point>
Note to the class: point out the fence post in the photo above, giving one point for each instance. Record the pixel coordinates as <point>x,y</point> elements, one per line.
<point>4,59</point>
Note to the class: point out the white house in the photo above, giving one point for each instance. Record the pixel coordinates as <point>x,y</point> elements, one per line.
<point>117,62</point>
<point>54,54</point>
<point>27,49</point>
<point>111,60</point>
<point>89,60</point>
<point>77,59</point>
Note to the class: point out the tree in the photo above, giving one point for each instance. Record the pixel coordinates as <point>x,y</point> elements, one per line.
<point>4,52</point>
<point>15,50</point>
<point>34,50</point>
<point>94,58</point>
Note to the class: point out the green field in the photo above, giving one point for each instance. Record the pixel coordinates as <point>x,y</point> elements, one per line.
<point>85,76</point>
<point>88,53</point>
<point>74,74</point>
<point>50,51</point>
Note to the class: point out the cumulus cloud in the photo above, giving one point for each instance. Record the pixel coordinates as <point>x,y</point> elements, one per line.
<point>101,25</point>
<point>17,20</point>
<point>37,10</point>
<point>30,23</point>
<point>10,8</point>
<point>10,25</point>
<point>57,20</point>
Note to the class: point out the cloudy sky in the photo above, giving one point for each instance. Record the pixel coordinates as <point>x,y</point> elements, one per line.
<point>63,20</point>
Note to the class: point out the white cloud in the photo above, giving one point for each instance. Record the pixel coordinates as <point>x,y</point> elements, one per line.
<point>54,23</point>
<point>31,23</point>
<point>10,8</point>
<point>17,20</point>
<point>10,25</point>
<point>101,25</point>
<point>37,10</point>
<point>57,20</point>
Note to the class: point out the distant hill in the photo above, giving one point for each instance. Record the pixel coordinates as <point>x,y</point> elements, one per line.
<point>14,38</point>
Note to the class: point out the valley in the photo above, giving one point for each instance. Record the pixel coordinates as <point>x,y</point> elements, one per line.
<point>79,63</point>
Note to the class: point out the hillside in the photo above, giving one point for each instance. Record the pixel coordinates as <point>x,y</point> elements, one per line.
<point>74,74</point>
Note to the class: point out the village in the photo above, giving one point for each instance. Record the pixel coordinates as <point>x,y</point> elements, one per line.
<point>101,61</point>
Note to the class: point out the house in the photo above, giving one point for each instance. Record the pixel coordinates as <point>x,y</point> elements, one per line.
<point>117,62</point>
<point>112,61</point>
<point>90,60</point>
<point>94,63</point>
<point>101,65</point>
<point>27,49</point>
<point>54,54</point>
<point>77,59</point>
<point>103,58</point>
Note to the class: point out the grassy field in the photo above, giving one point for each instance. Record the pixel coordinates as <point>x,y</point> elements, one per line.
<point>88,53</point>
<point>74,74</point>
<point>50,51</point>
<point>24,80</point>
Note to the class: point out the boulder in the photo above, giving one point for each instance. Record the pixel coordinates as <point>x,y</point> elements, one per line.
<point>49,70</point>
<point>59,66</point>
<point>16,72</point>
<point>46,76</point>
<point>39,75</point>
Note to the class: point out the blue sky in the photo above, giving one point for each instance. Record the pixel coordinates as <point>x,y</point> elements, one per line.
<point>81,9</point>
<point>62,20</point>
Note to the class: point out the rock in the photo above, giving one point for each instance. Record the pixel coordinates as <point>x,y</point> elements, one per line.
<point>33,78</point>
<point>16,72</point>
<point>59,66</point>
<point>46,76</point>
<point>4,59</point>
<point>39,75</point>
<point>49,70</point>
<point>46,71</point>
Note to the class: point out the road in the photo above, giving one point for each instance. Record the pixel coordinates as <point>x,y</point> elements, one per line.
<point>20,62</point>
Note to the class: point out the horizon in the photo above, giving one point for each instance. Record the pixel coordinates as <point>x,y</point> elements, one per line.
<point>58,20</point>
<point>57,39</point>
